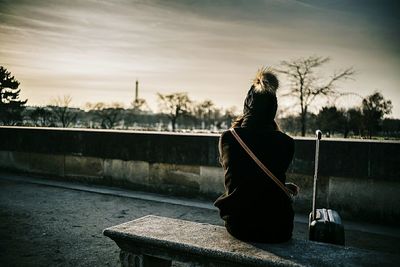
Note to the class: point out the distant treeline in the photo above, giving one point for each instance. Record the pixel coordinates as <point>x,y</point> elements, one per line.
<point>350,123</point>
<point>356,122</point>
<point>124,119</point>
<point>177,112</point>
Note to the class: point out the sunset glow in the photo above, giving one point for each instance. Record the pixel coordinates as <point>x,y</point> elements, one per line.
<point>94,50</point>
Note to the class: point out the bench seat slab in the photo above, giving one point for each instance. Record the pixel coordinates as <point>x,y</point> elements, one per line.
<point>210,245</point>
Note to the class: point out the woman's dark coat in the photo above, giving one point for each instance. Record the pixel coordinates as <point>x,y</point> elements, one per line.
<point>254,207</point>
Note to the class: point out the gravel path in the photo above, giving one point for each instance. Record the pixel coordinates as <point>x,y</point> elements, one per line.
<point>51,226</point>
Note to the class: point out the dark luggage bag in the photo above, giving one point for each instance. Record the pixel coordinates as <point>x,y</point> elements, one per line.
<point>324,225</point>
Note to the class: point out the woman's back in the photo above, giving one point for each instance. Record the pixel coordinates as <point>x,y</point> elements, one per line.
<point>253,206</point>
<point>249,189</point>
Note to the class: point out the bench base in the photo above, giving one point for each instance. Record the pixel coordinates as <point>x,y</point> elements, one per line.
<point>129,259</point>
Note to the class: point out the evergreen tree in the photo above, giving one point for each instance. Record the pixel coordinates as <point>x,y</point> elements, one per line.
<point>374,107</point>
<point>355,121</point>
<point>11,107</point>
<point>331,120</point>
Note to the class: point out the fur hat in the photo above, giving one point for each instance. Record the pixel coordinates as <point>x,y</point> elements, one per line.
<point>261,104</point>
<point>266,80</point>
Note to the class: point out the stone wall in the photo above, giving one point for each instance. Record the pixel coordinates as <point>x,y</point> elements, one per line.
<point>358,178</point>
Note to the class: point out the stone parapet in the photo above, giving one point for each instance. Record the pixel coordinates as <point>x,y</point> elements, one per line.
<point>360,179</point>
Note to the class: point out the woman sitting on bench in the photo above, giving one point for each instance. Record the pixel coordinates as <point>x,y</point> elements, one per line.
<point>253,206</point>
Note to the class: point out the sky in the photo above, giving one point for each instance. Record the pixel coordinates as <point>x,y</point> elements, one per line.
<point>94,50</point>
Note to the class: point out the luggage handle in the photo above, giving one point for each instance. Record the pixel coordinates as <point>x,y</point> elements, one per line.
<point>318,134</point>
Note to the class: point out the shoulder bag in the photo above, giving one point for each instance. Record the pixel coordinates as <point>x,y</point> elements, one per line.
<point>288,192</point>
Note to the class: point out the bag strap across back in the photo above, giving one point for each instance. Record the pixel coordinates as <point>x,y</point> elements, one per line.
<point>260,164</point>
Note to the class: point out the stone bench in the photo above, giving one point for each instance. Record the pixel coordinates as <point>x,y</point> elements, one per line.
<point>157,241</point>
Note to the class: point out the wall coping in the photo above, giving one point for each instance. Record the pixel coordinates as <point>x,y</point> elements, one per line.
<point>109,131</point>
<point>190,134</point>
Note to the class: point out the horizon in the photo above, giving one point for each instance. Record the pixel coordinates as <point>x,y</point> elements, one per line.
<point>95,51</point>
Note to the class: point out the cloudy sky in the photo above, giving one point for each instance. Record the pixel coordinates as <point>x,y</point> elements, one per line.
<point>94,50</point>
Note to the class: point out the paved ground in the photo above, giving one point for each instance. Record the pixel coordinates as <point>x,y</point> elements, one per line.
<point>54,225</point>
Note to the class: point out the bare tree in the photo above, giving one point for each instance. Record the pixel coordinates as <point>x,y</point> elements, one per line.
<point>42,117</point>
<point>230,115</point>
<point>204,111</point>
<point>307,86</point>
<point>62,111</point>
<point>174,105</point>
<point>108,115</point>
